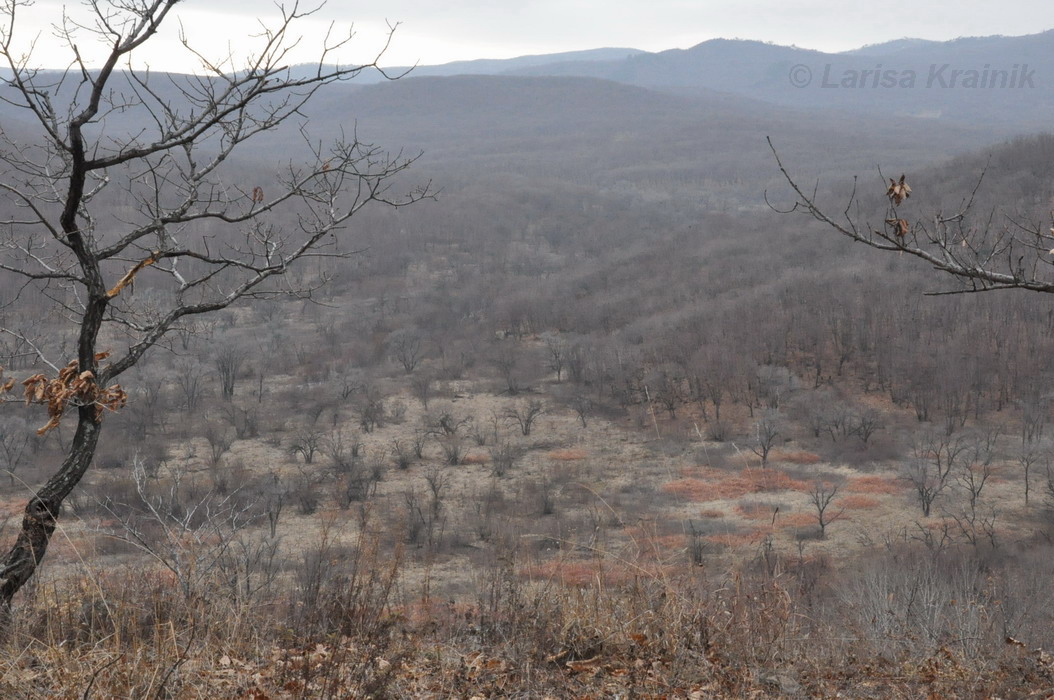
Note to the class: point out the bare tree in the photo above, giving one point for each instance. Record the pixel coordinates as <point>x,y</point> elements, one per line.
<point>1029,457</point>
<point>201,233</point>
<point>503,457</point>
<point>190,378</point>
<point>421,386</point>
<point>558,352</point>
<point>228,364</point>
<point>406,346</point>
<point>976,466</point>
<point>935,459</point>
<point>821,496</point>
<point>766,431</point>
<point>309,441</point>
<point>582,406</point>
<point>525,414</point>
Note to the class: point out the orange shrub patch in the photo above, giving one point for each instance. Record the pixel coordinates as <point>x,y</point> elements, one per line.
<point>568,455</point>
<point>579,573</point>
<point>689,489</point>
<point>713,484</point>
<point>857,501</point>
<point>872,484</point>
<point>571,573</point>
<point>773,480</point>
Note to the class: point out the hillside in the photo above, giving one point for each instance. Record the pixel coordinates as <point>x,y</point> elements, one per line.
<point>597,421</point>
<point>915,78</point>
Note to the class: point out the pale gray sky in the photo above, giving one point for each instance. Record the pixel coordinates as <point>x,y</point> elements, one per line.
<point>438,31</point>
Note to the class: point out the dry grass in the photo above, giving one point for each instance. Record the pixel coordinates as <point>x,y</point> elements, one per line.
<point>568,454</point>
<point>858,502</point>
<point>796,520</point>
<point>596,627</point>
<point>873,484</point>
<point>706,484</point>
<point>735,540</point>
<point>795,457</point>
<point>753,510</point>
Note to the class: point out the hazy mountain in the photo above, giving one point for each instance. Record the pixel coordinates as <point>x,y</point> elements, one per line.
<point>889,47</point>
<point>495,66</point>
<point>998,82</point>
<point>613,136</point>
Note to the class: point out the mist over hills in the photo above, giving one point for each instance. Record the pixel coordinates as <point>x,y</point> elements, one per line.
<point>680,124</point>
<point>1001,83</point>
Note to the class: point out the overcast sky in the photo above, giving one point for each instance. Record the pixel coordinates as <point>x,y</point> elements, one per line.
<point>438,31</point>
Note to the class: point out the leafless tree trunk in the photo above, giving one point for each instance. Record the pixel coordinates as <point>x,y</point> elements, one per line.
<point>936,457</point>
<point>228,364</point>
<point>171,167</point>
<point>821,496</point>
<point>524,415</point>
<point>766,431</point>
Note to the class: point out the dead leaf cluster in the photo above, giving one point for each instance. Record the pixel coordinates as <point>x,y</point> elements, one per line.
<point>71,386</point>
<point>900,226</point>
<point>898,191</point>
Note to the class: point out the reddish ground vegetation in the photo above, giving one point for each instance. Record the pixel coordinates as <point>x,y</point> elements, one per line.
<point>568,455</point>
<point>857,502</point>
<point>794,457</point>
<point>796,520</point>
<point>706,484</point>
<point>873,484</point>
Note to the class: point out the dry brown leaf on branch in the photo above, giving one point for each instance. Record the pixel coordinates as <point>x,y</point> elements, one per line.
<point>898,191</point>
<point>36,387</point>
<point>130,276</point>
<point>900,226</point>
<point>72,385</point>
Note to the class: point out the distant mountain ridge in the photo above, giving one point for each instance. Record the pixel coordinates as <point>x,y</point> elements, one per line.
<point>998,82</point>
<point>499,66</point>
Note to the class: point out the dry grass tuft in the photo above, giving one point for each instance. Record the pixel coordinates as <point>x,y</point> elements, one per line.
<point>704,484</point>
<point>796,520</point>
<point>733,540</point>
<point>795,457</point>
<point>858,502</point>
<point>568,454</point>
<point>873,484</point>
<point>695,490</point>
<point>754,510</point>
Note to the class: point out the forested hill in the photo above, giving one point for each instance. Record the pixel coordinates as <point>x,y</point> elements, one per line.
<point>1002,83</point>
